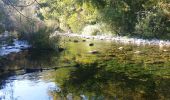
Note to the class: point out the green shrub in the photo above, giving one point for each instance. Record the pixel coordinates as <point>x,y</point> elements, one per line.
<point>153,25</point>
<point>42,39</point>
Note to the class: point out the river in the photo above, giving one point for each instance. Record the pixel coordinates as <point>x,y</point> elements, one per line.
<point>87,70</point>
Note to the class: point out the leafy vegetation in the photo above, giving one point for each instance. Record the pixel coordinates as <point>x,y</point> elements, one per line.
<point>41,39</point>
<point>146,19</point>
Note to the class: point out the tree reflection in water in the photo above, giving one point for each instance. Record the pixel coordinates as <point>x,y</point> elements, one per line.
<point>111,74</point>
<point>100,82</point>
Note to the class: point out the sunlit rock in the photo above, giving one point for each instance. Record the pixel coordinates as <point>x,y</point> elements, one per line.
<point>69,96</point>
<point>120,48</point>
<point>137,52</point>
<point>165,50</point>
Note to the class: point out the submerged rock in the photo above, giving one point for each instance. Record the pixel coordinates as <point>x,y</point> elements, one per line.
<point>94,52</point>
<point>75,41</point>
<point>84,40</point>
<point>91,44</point>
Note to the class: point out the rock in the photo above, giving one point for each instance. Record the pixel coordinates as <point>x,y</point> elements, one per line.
<point>75,41</point>
<point>120,48</point>
<point>61,49</point>
<point>94,52</point>
<point>23,49</point>
<point>137,52</point>
<point>69,96</point>
<point>165,50</point>
<point>84,40</point>
<point>27,70</point>
<point>91,44</point>
<point>22,46</point>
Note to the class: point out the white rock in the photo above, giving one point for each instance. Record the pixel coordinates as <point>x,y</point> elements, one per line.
<point>120,48</point>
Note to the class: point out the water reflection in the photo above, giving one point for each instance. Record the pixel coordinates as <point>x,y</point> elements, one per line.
<point>98,82</point>
<point>27,87</point>
<point>29,59</point>
<point>130,73</point>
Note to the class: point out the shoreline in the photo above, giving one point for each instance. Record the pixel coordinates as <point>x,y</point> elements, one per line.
<point>119,39</point>
<point>16,47</point>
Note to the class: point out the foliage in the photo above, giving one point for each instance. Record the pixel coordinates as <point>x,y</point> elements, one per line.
<point>153,24</point>
<point>41,39</point>
<point>123,17</point>
<point>70,14</point>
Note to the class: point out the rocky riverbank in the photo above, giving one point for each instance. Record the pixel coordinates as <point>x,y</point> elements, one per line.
<point>16,46</point>
<point>119,39</point>
<point>13,46</point>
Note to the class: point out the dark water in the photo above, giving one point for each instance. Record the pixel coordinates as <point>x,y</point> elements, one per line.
<point>114,72</point>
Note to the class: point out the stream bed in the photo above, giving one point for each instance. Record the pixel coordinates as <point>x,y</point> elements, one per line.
<point>87,69</point>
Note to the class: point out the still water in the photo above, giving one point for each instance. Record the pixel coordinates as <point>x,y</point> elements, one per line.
<point>103,71</point>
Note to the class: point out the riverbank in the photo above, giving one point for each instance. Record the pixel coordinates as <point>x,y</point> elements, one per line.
<point>119,39</point>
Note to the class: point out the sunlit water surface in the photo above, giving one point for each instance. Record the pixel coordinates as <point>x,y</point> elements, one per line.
<point>27,87</point>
